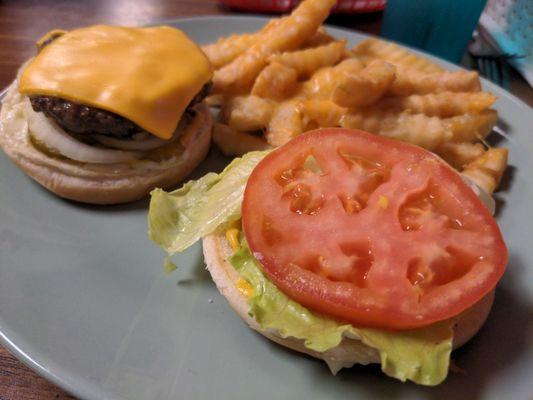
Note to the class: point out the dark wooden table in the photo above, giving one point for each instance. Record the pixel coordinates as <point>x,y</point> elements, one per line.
<point>23,21</point>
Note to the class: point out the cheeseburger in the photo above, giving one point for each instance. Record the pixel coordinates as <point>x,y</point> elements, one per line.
<point>104,114</point>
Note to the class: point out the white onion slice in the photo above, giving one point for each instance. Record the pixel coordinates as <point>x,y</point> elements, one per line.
<point>51,134</point>
<point>146,144</point>
<point>487,200</point>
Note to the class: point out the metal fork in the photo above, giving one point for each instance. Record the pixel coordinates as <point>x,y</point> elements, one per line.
<point>494,68</point>
<point>490,62</point>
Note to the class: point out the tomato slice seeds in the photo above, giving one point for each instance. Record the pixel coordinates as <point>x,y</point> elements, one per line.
<point>370,230</point>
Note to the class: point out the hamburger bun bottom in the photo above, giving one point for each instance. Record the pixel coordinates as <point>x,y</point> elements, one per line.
<point>98,183</point>
<point>351,350</point>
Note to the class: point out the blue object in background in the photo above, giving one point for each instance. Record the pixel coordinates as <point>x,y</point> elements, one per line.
<point>508,26</point>
<point>440,27</point>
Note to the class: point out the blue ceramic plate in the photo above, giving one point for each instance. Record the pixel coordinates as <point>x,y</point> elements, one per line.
<point>84,300</point>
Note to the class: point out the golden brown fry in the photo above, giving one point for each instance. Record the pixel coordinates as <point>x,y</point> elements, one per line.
<point>247,113</point>
<point>286,123</point>
<point>365,88</point>
<point>235,143</point>
<point>419,129</point>
<point>307,61</point>
<point>487,170</point>
<point>471,127</point>
<point>324,81</point>
<point>276,81</point>
<point>323,113</point>
<point>397,55</point>
<point>239,75</point>
<point>445,104</point>
<point>292,76</point>
<point>411,81</point>
<point>226,49</point>
<point>460,154</point>
<point>215,100</point>
<point>319,38</point>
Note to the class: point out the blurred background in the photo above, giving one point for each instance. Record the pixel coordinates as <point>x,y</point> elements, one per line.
<point>496,33</point>
<point>494,36</point>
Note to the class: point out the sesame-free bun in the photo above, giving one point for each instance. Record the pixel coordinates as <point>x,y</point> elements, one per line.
<point>351,350</point>
<point>98,183</point>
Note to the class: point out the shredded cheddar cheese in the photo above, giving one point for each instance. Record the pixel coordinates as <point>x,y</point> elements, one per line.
<point>232,236</point>
<point>245,288</point>
<point>383,201</point>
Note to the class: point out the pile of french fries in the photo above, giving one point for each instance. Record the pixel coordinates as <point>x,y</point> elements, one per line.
<point>292,76</point>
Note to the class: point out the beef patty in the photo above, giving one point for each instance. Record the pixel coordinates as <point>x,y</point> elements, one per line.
<point>82,119</point>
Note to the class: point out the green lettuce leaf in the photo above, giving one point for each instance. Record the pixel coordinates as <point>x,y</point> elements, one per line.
<point>180,218</point>
<point>421,355</point>
<point>272,309</point>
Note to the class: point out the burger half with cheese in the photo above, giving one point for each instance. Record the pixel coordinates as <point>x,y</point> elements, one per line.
<point>104,114</point>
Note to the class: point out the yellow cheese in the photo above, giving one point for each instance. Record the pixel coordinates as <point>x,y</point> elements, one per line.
<point>147,75</point>
<point>245,288</point>
<point>232,236</point>
<point>383,201</point>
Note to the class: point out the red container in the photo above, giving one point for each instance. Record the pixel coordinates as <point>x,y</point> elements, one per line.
<point>282,6</point>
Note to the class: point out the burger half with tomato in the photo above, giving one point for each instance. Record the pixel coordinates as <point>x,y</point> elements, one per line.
<point>347,246</point>
<point>104,114</point>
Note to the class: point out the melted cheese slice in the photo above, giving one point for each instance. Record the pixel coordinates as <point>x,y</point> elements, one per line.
<point>147,75</point>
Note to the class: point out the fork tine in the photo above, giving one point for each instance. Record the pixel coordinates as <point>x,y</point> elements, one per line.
<point>481,66</point>
<point>490,64</point>
<point>486,68</point>
<point>505,74</point>
<point>479,63</point>
<point>492,70</point>
<point>495,68</point>
<point>497,71</point>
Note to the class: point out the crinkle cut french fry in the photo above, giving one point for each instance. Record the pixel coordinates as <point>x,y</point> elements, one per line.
<point>471,127</point>
<point>319,38</point>
<point>375,48</point>
<point>286,123</point>
<point>324,81</point>
<point>235,143</point>
<point>239,75</point>
<point>275,81</point>
<point>215,100</point>
<point>307,61</point>
<point>422,130</point>
<point>487,170</point>
<point>445,104</point>
<point>324,113</point>
<point>247,113</point>
<point>226,49</point>
<point>410,81</point>
<point>365,88</point>
<point>419,129</point>
<point>293,76</point>
<point>460,154</point>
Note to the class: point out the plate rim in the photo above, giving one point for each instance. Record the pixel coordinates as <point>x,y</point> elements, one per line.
<point>83,388</point>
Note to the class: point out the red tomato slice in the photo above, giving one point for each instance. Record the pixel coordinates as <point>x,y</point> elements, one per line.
<point>370,230</point>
